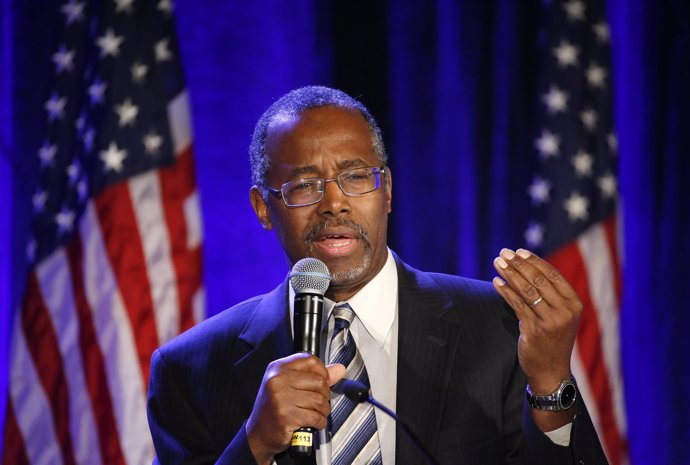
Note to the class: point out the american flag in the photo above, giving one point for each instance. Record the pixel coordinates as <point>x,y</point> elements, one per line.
<point>116,239</point>
<point>576,222</point>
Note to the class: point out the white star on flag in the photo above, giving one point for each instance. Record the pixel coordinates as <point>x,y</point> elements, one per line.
<point>534,235</point>
<point>139,71</point>
<point>608,185</point>
<point>123,5</point>
<point>127,112</point>
<point>612,140</point>
<point>162,51</point>
<point>556,100</point>
<point>165,6</point>
<point>97,91</point>
<point>113,158</point>
<point>547,144</point>
<point>39,200</point>
<point>110,43</point>
<point>152,142</point>
<point>602,32</point>
<point>589,118</point>
<point>73,11</point>
<point>55,107</point>
<point>73,172</point>
<point>47,153</point>
<point>65,220</point>
<point>566,54</point>
<point>576,206</point>
<point>539,190</point>
<point>63,60</point>
<point>582,161</point>
<point>575,10</point>
<point>596,75</point>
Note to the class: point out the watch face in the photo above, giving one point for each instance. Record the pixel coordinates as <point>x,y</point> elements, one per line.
<point>568,395</point>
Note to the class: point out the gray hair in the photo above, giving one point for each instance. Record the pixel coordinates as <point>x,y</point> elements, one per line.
<point>296,102</point>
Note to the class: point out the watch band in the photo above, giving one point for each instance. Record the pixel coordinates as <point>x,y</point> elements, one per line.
<point>563,398</point>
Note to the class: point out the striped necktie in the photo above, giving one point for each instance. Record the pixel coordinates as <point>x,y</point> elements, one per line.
<point>353,426</point>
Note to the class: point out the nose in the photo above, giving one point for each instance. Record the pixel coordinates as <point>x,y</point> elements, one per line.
<point>334,201</point>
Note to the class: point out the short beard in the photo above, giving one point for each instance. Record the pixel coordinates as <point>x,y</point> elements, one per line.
<point>347,276</point>
<point>352,275</point>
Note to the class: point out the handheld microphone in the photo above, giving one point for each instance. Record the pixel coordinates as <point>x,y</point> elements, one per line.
<point>358,392</point>
<point>309,279</point>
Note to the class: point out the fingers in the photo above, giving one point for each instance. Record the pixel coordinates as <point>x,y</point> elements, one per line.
<point>336,372</point>
<point>548,271</point>
<point>514,300</point>
<point>534,287</point>
<point>294,393</point>
<point>548,309</point>
<point>301,380</point>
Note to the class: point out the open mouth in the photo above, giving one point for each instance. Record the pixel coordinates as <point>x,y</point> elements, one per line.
<point>336,238</point>
<point>336,245</point>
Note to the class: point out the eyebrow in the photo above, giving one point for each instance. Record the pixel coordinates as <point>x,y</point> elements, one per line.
<point>300,171</point>
<point>312,169</point>
<point>355,163</point>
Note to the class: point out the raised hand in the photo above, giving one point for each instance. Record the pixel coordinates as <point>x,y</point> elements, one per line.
<point>548,309</point>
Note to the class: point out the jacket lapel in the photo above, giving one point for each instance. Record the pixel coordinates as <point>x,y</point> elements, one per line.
<point>427,344</point>
<point>268,337</point>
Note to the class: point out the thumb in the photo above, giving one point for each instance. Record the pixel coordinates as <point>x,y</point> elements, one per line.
<point>336,372</point>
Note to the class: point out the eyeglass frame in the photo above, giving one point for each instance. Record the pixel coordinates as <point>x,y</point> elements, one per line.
<point>279,192</point>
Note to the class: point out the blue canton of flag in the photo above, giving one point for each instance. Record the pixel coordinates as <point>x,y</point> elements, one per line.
<point>106,117</point>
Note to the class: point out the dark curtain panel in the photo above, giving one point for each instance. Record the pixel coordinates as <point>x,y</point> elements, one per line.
<point>453,85</point>
<point>461,98</point>
<point>652,64</point>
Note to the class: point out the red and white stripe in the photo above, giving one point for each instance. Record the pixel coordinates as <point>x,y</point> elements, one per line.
<point>592,265</point>
<point>56,287</point>
<point>96,309</point>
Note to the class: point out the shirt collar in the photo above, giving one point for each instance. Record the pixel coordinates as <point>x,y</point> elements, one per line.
<point>376,303</point>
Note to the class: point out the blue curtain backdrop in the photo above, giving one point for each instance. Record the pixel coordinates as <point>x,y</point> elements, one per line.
<point>452,83</point>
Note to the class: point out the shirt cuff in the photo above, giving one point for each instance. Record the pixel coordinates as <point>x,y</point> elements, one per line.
<point>560,436</point>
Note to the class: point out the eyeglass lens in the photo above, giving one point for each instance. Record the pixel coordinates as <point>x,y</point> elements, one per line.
<point>354,182</point>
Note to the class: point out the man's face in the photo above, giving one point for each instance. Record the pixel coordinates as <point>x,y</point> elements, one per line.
<point>347,233</point>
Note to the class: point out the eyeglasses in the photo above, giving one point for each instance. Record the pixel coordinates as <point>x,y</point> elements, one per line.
<point>303,192</point>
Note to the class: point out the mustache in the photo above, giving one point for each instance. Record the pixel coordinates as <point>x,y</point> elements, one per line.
<point>311,234</point>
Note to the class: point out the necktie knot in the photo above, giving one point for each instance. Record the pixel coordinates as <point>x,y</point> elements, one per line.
<point>343,316</point>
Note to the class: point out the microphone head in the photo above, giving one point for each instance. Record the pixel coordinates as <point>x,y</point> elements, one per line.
<point>310,276</point>
<point>353,390</point>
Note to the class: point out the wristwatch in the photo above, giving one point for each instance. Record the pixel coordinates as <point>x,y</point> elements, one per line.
<point>561,399</point>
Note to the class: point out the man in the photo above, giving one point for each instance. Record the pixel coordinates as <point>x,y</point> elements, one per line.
<point>446,352</point>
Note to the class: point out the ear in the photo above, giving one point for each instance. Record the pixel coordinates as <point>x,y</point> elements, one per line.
<point>260,208</point>
<point>389,188</point>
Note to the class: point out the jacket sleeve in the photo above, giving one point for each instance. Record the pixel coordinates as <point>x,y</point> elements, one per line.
<point>180,434</point>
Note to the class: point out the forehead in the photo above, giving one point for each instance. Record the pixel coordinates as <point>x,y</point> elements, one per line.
<point>318,135</point>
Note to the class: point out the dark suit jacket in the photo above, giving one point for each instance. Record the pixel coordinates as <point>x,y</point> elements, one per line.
<point>459,385</point>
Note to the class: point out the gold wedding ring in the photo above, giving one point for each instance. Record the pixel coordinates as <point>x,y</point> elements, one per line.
<point>536,302</point>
